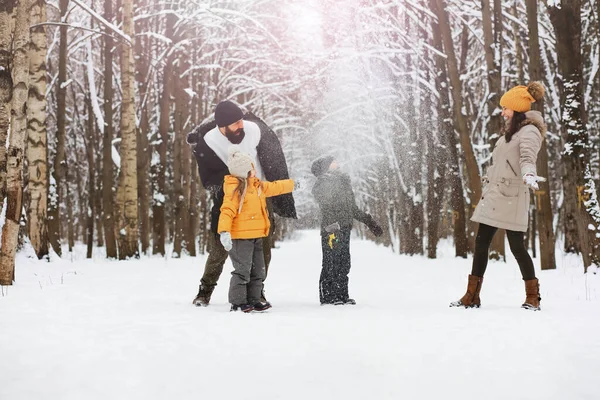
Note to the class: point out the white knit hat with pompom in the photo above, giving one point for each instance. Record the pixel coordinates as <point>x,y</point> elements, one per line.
<point>239,163</point>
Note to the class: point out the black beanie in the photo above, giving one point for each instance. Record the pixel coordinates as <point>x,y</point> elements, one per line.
<point>227,113</point>
<point>321,166</point>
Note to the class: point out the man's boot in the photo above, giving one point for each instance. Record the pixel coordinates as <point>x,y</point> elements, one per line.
<point>471,298</point>
<point>203,297</point>
<point>532,293</point>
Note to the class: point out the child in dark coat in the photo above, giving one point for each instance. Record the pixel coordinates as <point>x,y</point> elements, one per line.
<point>333,192</point>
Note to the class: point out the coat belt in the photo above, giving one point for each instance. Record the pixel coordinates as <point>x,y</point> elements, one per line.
<point>509,181</point>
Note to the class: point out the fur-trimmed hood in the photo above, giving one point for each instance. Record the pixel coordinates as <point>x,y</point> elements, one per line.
<point>535,118</point>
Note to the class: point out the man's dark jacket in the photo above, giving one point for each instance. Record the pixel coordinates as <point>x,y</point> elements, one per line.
<point>213,170</point>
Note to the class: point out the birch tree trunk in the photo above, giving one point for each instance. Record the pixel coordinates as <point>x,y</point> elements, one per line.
<point>127,191</point>
<point>107,161</point>
<point>14,182</point>
<point>37,147</point>
<point>6,87</point>
<point>543,200</point>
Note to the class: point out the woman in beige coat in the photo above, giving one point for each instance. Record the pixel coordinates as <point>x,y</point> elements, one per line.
<point>505,200</point>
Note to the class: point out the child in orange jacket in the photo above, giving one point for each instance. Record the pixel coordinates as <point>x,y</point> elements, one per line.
<point>243,222</point>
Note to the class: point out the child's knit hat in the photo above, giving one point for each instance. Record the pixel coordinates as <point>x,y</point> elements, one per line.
<point>520,98</point>
<point>239,163</point>
<point>320,166</point>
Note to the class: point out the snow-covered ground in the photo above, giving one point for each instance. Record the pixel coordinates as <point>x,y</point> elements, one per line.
<point>79,329</point>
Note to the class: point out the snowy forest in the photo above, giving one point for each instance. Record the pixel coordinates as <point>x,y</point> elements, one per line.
<point>97,97</point>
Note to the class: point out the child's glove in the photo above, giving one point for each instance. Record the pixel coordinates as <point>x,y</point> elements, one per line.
<point>374,226</point>
<point>300,183</point>
<point>375,229</point>
<point>532,180</point>
<point>226,241</point>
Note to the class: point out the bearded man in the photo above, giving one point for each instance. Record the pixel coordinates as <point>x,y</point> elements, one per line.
<point>211,142</point>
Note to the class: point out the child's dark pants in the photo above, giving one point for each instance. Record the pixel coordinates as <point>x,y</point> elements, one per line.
<point>333,284</point>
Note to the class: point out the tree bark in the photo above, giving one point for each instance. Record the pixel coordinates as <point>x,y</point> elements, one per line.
<point>14,182</point>
<point>143,147</point>
<point>493,51</point>
<point>91,214</point>
<point>543,200</point>
<point>127,191</point>
<point>472,169</point>
<point>6,87</point>
<point>107,160</point>
<point>37,148</point>
<point>181,157</point>
<point>58,184</point>
<point>158,206</point>
<point>579,187</point>
<point>456,199</point>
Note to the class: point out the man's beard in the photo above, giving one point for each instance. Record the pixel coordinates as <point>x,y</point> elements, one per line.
<point>235,137</point>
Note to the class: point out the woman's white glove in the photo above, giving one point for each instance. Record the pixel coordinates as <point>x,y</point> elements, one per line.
<point>532,180</point>
<point>226,241</point>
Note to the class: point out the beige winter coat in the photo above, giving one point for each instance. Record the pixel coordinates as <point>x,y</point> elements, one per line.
<point>505,199</point>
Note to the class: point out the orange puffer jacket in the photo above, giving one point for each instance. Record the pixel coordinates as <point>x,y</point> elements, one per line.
<point>253,221</point>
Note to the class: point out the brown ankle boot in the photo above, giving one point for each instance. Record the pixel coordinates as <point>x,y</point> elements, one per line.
<point>532,293</point>
<point>471,298</point>
<point>202,299</point>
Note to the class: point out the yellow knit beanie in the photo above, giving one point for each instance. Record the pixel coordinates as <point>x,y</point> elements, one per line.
<point>520,98</point>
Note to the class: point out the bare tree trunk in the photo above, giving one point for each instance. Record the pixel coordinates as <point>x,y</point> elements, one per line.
<point>91,214</point>
<point>193,211</point>
<point>446,126</point>
<point>127,191</point>
<point>194,175</point>
<point>20,78</point>
<point>493,52</point>
<point>37,148</point>
<point>158,207</point>
<point>107,161</point>
<point>543,200</point>
<point>436,178</point>
<point>98,198</point>
<point>181,160</point>
<point>579,187</point>
<point>143,146</point>
<point>6,87</point>
<point>474,179</point>
<point>58,185</point>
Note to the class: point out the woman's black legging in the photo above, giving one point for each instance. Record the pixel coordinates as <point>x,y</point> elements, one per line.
<point>485,234</point>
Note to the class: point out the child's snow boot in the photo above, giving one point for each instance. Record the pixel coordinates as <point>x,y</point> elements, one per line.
<point>471,298</point>
<point>242,307</point>
<point>260,307</point>
<point>532,293</point>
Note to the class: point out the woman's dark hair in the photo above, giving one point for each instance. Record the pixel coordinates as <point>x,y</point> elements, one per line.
<point>515,125</point>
